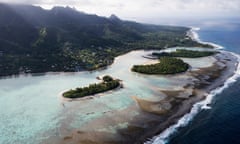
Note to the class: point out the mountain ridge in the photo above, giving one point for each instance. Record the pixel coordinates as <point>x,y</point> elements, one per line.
<point>34,40</point>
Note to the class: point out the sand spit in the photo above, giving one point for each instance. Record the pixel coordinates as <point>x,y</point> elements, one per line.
<point>146,118</point>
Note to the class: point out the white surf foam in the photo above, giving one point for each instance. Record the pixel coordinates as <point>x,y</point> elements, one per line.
<point>194,36</point>
<point>163,138</point>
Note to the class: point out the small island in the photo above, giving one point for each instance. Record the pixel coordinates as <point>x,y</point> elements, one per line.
<point>185,53</point>
<point>107,84</point>
<point>167,65</point>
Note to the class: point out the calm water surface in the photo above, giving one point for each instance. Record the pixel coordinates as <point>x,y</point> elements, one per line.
<point>31,109</point>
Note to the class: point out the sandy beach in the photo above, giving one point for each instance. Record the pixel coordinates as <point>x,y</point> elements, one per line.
<point>148,117</point>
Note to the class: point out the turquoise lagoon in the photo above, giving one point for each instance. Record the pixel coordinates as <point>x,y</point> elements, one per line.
<point>32,109</point>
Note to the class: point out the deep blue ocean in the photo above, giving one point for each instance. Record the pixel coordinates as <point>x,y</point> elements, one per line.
<point>221,123</point>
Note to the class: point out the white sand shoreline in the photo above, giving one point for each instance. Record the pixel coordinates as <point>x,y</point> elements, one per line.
<point>195,37</point>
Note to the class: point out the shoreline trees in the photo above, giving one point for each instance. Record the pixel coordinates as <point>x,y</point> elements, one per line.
<point>107,84</point>
<point>167,65</point>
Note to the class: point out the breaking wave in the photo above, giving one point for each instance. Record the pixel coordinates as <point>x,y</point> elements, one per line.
<point>163,138</point>
<point>194,36</point>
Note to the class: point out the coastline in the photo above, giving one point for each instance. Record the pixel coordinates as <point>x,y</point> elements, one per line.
<point>195,37</point>
<point>113,118</point>
<point>162,116</point>
<point>157,116</point>
<point>203,103</point>
<point>190,33</point>
<point>194,105</point>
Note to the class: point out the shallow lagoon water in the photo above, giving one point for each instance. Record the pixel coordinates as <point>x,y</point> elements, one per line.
<point>32,109</point>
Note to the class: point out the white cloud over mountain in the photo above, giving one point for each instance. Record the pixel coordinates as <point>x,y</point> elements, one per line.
<point>148,9</point>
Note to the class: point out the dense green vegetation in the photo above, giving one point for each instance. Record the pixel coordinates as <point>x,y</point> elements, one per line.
<point>108,84</point>
<point>63,39</point>
<point>167,65</point>
<point>185,53</point>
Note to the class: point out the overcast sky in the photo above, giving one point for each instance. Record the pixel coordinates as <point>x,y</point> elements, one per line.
<point>148,10</point>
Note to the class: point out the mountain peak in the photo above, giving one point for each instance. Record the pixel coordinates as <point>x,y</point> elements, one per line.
<point>63,8</point>
<point>113,17</point>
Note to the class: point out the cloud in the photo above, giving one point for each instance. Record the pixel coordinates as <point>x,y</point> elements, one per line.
<point>148,9</point>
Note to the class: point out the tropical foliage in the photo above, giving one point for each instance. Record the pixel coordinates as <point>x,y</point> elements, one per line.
<point>63,39</point>
<point>167,65</point>
<point>108,84</point>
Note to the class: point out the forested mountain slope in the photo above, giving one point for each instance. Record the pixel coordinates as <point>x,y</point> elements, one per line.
<point>63,39</point>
